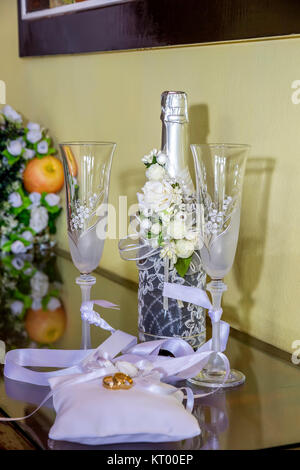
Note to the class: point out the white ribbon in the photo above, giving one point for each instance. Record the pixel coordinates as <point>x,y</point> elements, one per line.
<point>84,365</point>
<point>92,317</point>
<point>199,297</point>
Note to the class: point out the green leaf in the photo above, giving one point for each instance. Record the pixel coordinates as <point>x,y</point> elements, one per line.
<point>183,265</point>
<point>11,158</point>
<point>45,301</point>
<point>24,217</point>
<point>26,299</point>
<point>50,209</point>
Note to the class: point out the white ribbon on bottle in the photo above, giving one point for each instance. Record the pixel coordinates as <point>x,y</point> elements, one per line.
<point>82,365</point>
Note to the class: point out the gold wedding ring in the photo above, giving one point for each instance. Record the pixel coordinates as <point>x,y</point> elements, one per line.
<point>119,381</point>
<point>124,381</point>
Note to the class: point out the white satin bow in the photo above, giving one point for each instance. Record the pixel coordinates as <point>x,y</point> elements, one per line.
<point>84,365</point>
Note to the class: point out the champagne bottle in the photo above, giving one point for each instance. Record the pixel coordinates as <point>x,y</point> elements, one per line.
<point>179,319</point>
<point>175,136</point>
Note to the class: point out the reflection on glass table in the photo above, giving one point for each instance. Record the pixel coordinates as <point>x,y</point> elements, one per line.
<point>262,413</point>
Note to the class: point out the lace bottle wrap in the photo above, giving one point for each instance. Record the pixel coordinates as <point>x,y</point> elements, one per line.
<point>181,319</point>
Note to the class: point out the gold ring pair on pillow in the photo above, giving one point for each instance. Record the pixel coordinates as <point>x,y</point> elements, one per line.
<point>118,381</point>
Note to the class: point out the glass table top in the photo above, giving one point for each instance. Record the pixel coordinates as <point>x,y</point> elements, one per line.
<point>262,413</point>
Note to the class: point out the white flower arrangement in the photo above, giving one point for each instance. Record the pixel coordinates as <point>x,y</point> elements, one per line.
<point>25,218</point>
<point>167,213</point>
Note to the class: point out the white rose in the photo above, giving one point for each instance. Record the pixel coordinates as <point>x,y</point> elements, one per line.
<point>35,198</point>
<point>194,236</point>
<point>15,147</point>
<point>155,172</point>
<point>18,263</point>
<point>161,158</point>
<point>38,219</point>
<point>39,284</point>
<point>157,195</point>
<point>33,126</point>
<point>53,303</point>
<point>28,154</point>
<point>15,199</point>
<point>18,247</point>
<point>155,229</point>
<point>176,229</point>
<point>17,307</point>
<point>27,235</point>
<point>184,248</point>
<point>36,303</point>
<point>52,199</point>
<point>42,147</point>
<point>34,136</point>
<point>11,114</point>
<point>147,158</point>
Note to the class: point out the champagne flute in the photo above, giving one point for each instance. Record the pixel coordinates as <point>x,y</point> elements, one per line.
<point>219,180</point>
<point>87,167</point>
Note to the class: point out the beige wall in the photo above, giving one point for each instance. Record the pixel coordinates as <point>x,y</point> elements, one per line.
<point>237,93</point>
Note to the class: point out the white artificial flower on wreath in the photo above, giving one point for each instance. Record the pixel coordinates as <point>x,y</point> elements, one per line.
<point>43,147</point>
<point>35,198</point>
<point>155,172</point>
<point>15,147</point>
<point>36,303</point>
<point>22,141</point>
<point>33,126</point>
<point>34,136</point>
<point>161,158</point>
<point>38,219</point>
<point>17,263</point>
<point>53,303</point>
<point>39,284</point>
<point>27,235</point>
<point>17,307</point>
<point>11,114</point>
<point>184,248</point>
<point>15,199</point>
<point>28,154</point>
<point>52,199</point>
<point>157,195</point>
<point>18,247</point>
